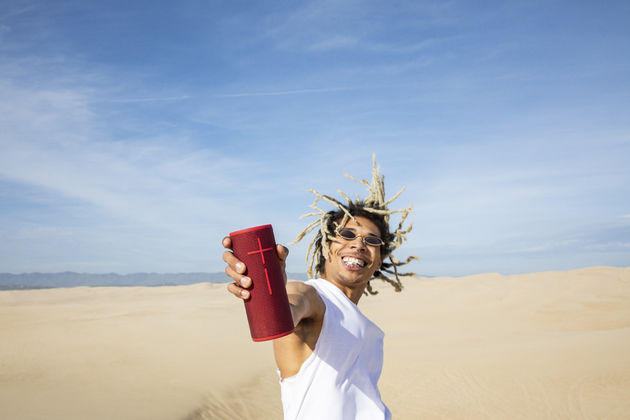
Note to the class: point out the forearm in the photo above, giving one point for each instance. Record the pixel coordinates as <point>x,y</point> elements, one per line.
<point>307,308</point>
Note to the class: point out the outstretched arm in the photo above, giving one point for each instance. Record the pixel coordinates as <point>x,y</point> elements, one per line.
<point>307,309</point>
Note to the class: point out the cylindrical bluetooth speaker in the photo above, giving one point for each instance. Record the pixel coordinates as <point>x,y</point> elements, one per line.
<point>268,311</point>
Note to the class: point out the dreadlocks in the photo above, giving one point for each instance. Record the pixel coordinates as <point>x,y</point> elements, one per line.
<point>374,207</point>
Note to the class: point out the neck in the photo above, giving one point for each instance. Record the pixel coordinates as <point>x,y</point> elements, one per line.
<point>353,293</point>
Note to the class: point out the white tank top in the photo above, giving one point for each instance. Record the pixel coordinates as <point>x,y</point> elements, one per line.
<point>339,379</point>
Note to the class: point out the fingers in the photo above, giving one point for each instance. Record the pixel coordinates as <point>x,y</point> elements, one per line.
<point>234,263</point>
<point>236,270</point>
<point>240,285</point>
<point>237,291</point>
<point>239,279</point>
<point>283,252</point>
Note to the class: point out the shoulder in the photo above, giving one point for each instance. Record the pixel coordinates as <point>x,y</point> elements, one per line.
<point>300,287</point>
<point>306,300</point>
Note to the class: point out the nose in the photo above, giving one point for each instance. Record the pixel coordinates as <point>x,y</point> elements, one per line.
<point>357,242</point>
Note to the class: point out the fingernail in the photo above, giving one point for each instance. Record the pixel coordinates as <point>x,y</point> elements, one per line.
<point>240,266</point>
<point>246,282</point>
<point>244,293</point>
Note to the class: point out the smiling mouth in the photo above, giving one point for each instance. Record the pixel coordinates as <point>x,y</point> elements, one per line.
<point>352,262</point>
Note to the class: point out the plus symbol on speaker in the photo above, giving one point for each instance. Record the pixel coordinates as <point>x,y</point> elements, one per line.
<point>262,257</point>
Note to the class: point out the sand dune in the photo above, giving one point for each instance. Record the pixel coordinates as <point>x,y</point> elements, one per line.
<point>552,345</point>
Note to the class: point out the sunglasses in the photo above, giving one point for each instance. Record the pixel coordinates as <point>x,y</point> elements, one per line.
<point>348,234</point>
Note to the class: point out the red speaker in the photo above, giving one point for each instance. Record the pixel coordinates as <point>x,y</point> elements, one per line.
<point>268,311</point>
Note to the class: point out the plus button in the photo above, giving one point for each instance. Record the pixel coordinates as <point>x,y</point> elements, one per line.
<point>262,257</point>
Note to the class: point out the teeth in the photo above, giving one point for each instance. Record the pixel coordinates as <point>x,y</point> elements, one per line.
<point>353,261</point>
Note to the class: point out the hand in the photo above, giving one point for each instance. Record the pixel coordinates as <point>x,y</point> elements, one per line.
<point>237,270</point>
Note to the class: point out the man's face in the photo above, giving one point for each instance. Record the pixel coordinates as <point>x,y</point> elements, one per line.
<point>351,263</point>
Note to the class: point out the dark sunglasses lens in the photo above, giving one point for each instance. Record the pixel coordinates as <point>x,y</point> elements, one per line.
<point>373,240</point>
<point>346,234</point>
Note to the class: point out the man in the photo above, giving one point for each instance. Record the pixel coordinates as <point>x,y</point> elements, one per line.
<point>330,366</point>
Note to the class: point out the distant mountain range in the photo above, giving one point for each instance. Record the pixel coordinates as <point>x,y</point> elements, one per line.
<point>70,279</point>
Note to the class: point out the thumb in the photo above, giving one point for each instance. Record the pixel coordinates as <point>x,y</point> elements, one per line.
<point>283,253</point>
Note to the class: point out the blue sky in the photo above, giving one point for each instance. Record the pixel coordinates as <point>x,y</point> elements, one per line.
<point>134,135</point>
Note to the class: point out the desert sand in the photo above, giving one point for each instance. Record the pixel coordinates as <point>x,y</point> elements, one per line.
<point>550,345</point>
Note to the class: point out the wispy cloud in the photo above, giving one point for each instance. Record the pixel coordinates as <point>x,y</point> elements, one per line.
<point>335,42</point>
<point>9,14</point>
<point>281,92</point>
<point>155,99</point>
<point>315,26</point>
<point>408,48</point>
<point>358,25</point>
<point>56,139</point>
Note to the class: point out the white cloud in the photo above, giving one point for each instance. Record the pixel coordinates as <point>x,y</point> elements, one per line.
<point>55,137</point>
<point>334,42</point>
<point>149,99</point>
<point>280,92</point>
